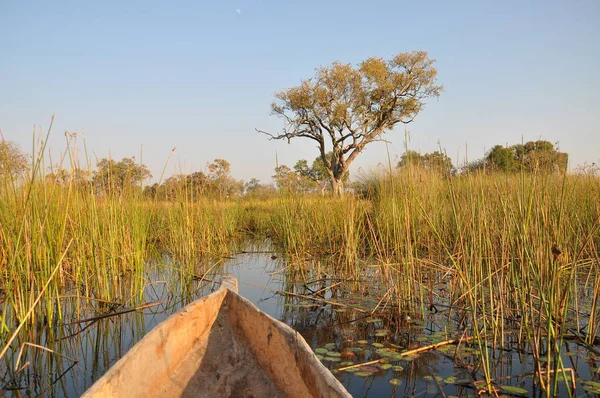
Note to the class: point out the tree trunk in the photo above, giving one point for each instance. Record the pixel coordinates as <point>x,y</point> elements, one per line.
<point>337,187</point>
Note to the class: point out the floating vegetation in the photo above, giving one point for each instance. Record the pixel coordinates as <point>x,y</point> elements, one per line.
<point>591,386</point>
<point>514,390</point>
<point>382,332</point>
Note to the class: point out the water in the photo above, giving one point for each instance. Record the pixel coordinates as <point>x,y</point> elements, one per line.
<point>88,349</point>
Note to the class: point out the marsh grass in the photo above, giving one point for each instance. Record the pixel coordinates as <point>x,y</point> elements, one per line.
<point>518,254</point>
<point>62,240</point>
<point>515,257</point>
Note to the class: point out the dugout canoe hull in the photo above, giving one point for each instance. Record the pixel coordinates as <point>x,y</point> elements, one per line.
<point>220,345</point>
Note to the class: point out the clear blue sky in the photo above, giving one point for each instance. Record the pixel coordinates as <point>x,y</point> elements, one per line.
<point>200,75</point>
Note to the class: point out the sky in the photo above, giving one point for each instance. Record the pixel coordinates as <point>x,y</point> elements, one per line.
<point>139,78</point>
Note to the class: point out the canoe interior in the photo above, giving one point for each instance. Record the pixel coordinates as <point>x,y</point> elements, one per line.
<point>219,346</point>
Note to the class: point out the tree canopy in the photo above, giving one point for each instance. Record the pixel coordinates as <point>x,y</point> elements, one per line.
<point>216,183</point>
<point>112,177</point>
<point>344,108</point>
<point>436,161</point>
<point>532,156</point>
<point>12,161</point>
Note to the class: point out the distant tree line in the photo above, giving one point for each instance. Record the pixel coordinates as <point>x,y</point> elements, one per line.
<point>533,156</point>
<point>436,161</point>
<point>128,176</point>
<point>215,183</point>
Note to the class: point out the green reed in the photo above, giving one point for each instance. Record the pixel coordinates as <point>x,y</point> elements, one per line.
<point>64,240</point>
<point>516,251</point>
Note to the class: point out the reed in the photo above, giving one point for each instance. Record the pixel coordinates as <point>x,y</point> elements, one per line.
<point>519,254</point>
<point>515,254</point>
<point>64,239</point>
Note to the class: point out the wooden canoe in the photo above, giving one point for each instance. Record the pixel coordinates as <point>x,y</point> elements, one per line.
<point>220,345</point>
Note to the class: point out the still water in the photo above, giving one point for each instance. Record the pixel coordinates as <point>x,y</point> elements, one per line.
<point>337,325</point>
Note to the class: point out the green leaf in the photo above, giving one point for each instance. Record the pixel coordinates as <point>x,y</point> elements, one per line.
<point>591,386</point>
<point>514,390</point>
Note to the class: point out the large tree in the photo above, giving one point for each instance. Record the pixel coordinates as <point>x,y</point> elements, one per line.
<point>344,108</point>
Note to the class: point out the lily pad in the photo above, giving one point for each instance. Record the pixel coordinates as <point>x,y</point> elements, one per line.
<point>371,369</point>
<point>591,386</point>
<point>378,345</point>
<point>383,352</point>
<point>346,363</point>
<point>332,359</point>
<point>319,357</point>
<point>363,374</point>
<point>351,370</point>
<point>450,380</point>
<point>395,382</point>
<point>330,346</point>
<point>385,366</point>
<point>462,381</point>
<point>382,332</point>
<point>321,350</point>
<point>514,390</point>
<point>397,368</point>
<point>432,389</point>
<point>362,342</point>
<point>333,354</point>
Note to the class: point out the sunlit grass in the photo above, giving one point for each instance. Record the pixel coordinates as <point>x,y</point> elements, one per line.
<point>516,252</point>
